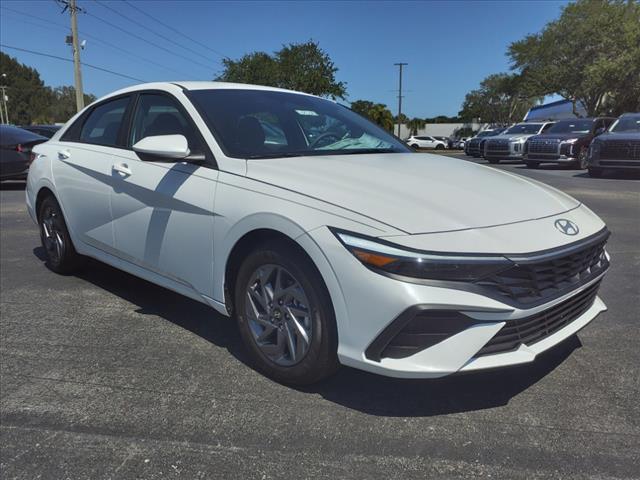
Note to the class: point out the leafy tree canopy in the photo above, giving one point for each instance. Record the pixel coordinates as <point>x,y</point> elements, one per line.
<point>376,112</point>
<point>30,101</point>
<point>303,67</point>
<point>590,54</point>
<point>502,98</point>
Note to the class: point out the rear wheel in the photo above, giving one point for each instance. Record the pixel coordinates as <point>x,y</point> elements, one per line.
<point>61,254</point>
<point>416,146</point>
<point>595,172</point>
<point>532,164</point>
<point>285,315</point>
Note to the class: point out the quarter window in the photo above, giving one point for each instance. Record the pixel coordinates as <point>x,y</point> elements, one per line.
<point>160,115</point>
<point>103,123</point>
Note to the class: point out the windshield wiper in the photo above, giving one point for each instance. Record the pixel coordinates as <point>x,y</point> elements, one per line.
<point>356,151</point>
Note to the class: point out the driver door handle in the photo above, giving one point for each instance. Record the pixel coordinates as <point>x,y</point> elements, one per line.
<point>122,168</point>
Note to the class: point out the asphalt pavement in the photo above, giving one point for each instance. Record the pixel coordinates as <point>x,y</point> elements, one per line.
<point>103,375</point>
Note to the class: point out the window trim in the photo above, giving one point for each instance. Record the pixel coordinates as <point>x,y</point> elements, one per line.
<point>210,159</point>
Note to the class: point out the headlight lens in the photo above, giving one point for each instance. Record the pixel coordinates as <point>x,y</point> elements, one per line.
<point>387,258</point>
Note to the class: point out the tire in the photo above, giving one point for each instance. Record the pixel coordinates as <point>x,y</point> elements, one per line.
<point>416,146</point>
<point>532,164</point>
<point>439,147</point>
<point>54,235</point>
<point>262,335</point>
<point>493,161</point>
<point>595,172</point>
<point>582,161</point>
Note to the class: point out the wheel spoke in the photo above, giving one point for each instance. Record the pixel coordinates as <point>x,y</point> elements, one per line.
<point>266,333</point>
<point>299,329</point>
<point>256,314</point>
<point>290,342</point>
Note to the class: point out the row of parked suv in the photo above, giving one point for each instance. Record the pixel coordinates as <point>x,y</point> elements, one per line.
<point>593,143</point>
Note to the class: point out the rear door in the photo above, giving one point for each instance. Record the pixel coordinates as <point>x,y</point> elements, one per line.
<point>163,211</point>
<point>82,171</point>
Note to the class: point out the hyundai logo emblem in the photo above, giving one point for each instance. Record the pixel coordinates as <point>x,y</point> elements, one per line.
<point>566,226</point>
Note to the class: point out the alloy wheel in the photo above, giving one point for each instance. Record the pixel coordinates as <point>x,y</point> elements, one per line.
<point>52,235</point>
<point>279,315</point>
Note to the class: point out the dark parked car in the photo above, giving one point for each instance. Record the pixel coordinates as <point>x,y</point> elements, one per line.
<point>15,151</point>
<point>619,148</point>
<point>566,142</point>
<point>475,146</point>
<point>43,130</point>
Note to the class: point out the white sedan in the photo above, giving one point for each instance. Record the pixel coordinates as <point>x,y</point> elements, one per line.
<point>326,239</point>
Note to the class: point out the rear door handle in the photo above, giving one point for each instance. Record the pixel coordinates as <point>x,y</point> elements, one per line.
<point>64,154</point>
<point>122,168</point>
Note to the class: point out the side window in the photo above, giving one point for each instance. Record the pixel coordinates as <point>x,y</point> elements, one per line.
<point>103,123</point>
<point>159,115</point>
<point>547,127</point>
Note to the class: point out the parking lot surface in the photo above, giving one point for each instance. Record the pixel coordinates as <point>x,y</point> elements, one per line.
<point>103,375</point>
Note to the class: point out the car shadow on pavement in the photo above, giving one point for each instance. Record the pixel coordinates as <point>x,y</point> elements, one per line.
<point>13,185</point>
<point>351,388</point>
<point>383,396</point>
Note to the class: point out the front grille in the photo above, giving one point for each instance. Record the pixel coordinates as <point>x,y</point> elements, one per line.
<point>532,329</point>
<point>496,147</point>
<point>620,149</point>
<point>474,146</point>
<point>531,282</point>
<point>543,146</point>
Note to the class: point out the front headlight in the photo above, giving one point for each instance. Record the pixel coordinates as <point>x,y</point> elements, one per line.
<point>385,257</point>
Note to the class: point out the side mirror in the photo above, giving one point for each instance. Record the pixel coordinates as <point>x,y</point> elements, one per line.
<point>163,147</point>
<point>599,131</point>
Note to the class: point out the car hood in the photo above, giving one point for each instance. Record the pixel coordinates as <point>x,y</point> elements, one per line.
<point>511,136</point>
<point>560,136</point>
<point>415,193</point>
<point>618,136</point>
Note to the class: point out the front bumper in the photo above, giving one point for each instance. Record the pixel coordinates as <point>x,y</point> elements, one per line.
<point>609,163</point>
<point>514,151</point>
<point>369,303</point>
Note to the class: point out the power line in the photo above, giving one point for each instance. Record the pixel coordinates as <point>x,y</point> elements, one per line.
<point>102,69</point>
<point>175,30</point>
<point>208,68</point>
<point>59,27</point>
<point>104,5</point>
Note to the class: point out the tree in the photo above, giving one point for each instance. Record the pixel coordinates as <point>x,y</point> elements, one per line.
<point>30,101</point>
<point>415,124</point>
<point>63,104</point>
<point>303,67</point>
<point>591,54</point>
<point>28,96</point>
<point>502,98</point>
<point>376,112</point>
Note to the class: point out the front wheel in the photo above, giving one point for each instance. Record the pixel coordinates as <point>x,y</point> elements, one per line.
<point>493,160</point>
<point>582,162</point>
<point>285,315</point>
<point>61,254</point>
<point>439,147</point>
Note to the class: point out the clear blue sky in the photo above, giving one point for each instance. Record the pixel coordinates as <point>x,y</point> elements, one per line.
<point>450,46</point>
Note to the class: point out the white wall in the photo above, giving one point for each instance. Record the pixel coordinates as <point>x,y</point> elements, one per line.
<point>441,129</point>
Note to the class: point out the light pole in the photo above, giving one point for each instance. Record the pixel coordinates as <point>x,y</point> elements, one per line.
<point>4,111</point>
<point>77,73</point>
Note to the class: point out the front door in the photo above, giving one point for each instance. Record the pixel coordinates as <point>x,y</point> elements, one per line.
<point>163,211</point>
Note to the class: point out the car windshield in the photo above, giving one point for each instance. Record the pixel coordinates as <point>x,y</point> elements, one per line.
<point>525,128</point>
<point>488,133</point>
<point>572,126</point>
<point>271,124</point>
<point>626,124</point>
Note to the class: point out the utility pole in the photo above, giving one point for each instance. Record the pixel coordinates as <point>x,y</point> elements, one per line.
<point>400,65</point>
<point>77,74</point>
